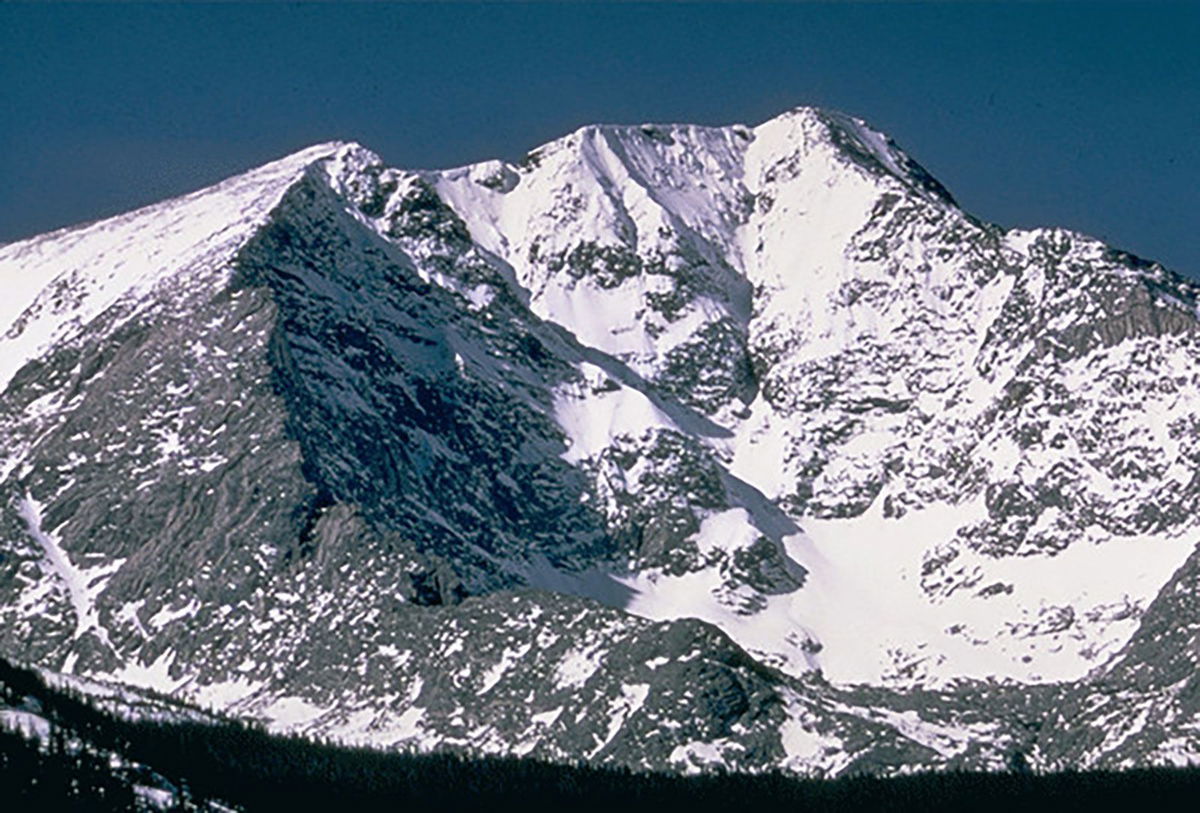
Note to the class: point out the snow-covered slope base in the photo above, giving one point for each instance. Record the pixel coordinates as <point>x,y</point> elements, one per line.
<point>669,446</point>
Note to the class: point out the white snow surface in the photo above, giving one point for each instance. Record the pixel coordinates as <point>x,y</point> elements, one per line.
<point>80,586</point>
<point>866,606</point>
<point>26,723</point>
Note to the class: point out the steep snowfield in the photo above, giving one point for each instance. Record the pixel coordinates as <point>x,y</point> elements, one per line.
<point>80,586</point>
<point>1064,616</point>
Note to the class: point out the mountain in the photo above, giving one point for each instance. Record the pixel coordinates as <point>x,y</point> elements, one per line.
<point>668,447</point>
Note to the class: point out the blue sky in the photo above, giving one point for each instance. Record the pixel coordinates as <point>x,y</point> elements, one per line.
<point>1076,114</point>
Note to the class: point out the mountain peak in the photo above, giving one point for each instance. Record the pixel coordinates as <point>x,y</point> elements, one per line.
<point>57,282</point>
<point>854,140</point>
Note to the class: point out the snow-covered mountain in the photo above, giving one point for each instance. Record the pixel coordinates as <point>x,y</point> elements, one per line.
<point>669,446</point>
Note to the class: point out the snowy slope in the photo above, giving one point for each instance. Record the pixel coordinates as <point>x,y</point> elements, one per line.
<point>56,283</point>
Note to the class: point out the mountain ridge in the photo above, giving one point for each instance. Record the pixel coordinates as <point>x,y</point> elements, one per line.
<point>767,390</point>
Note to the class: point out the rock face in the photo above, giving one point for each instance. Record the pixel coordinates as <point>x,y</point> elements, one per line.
<point>670,447</point>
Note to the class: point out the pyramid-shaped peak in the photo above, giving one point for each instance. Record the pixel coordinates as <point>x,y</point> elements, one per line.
<point>853,139</point>
<point>343,156</point>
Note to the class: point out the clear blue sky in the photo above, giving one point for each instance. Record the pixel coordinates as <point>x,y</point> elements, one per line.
<point>1075,114</point>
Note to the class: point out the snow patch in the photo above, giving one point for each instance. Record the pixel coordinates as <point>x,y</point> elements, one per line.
<point>81,588</point>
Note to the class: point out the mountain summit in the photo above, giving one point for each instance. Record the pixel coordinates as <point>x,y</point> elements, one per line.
<point>669,446</point>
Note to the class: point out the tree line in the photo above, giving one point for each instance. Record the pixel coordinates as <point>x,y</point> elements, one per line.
<point>243,765</point>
